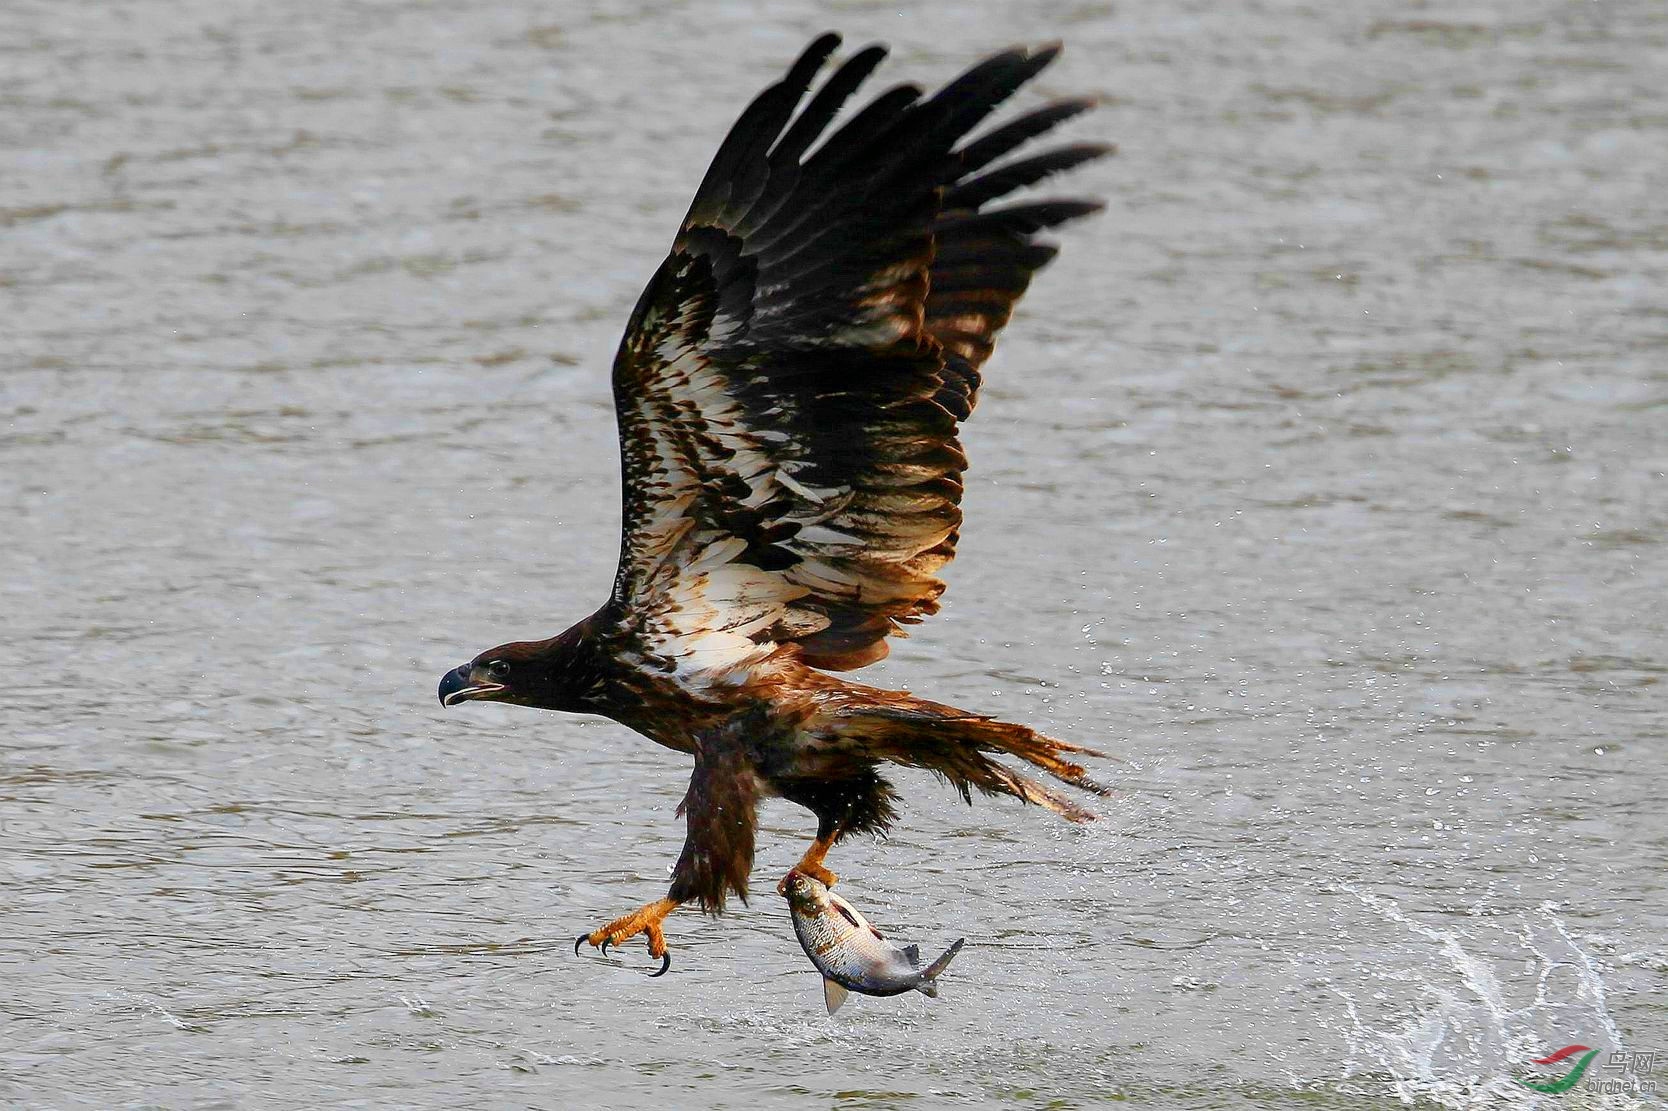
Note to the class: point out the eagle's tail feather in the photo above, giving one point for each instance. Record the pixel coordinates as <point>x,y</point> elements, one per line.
<point>958,746</point>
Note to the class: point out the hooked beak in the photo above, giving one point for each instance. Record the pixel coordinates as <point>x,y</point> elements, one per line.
<point>457,686</point>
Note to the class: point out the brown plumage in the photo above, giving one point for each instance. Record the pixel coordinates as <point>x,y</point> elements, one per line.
<point>789,391</point>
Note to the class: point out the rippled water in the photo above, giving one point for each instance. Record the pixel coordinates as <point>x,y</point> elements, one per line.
<point>1322,479</point>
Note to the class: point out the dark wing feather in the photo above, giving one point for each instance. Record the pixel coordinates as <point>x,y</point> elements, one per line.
<point>790,384</point>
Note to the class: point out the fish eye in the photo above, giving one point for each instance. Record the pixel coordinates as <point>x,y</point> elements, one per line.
<point>497,670</point>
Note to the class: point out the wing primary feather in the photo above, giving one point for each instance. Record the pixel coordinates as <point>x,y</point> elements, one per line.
<point>1005,179</point>
<point>824,181</point>
<point>757,127</point>
<point>872,121</point>
<point>986,149</point>
<point>826,104</point>
<point>1024,219</point>
<point>911,136</point>
<point>973,96</point>
<point>974,249</point>
<point>783,163</point>
<point>756,167</point>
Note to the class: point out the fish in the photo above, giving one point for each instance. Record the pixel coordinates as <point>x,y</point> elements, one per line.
<point>850,953</point>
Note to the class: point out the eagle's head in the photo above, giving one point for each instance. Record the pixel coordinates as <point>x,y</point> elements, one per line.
<point>507,673</point>
<point>547,673</point>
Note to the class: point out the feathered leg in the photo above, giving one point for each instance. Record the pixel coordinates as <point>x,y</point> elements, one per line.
<point>719,809</point>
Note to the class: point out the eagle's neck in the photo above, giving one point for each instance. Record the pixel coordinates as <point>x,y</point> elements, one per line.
<point>602,666</point>
<point>572,672</point>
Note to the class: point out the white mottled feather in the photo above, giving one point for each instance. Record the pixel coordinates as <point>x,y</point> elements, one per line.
<point>790,384</point>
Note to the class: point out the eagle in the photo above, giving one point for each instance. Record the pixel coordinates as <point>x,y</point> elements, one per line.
<point>789,392</point>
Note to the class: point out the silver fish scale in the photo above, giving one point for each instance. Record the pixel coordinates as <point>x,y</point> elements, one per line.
<point>850,952</point>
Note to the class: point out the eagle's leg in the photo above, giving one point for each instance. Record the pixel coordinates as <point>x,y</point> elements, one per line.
<point>859,803</point>
<point>644,920</point>
<point>717,851</point>
<point>811,864</point>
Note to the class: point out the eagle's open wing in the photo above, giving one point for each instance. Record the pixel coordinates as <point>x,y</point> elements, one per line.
<point>790,384</point>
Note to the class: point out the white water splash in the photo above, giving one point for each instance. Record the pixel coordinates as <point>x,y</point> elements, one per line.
<point>1476,1024</point>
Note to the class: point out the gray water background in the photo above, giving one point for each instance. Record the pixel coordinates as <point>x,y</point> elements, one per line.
<point>1321,480</point>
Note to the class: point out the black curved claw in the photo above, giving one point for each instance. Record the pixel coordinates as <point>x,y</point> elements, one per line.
<point>578,941</point>
<point>604,946</point>
<point>665,963</point>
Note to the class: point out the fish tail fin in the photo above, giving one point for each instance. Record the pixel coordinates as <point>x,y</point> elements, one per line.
<point>929,975</point>
<point>958,746</point>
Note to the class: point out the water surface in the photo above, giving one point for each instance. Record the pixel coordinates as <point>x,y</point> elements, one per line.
<point>1321,479</point>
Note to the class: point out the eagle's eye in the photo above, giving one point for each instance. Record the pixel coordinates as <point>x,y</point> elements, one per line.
<point>497,670</point>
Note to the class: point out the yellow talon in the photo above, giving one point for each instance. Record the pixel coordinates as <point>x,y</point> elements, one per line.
<point>644,920</point>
